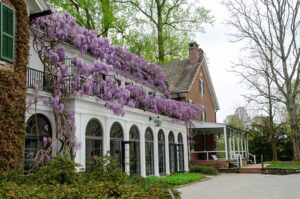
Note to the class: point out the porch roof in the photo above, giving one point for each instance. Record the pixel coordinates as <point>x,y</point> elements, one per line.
<point>214,127</point>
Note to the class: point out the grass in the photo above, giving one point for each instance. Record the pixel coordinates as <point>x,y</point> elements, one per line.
<point>176,179</point>
<point>204,170</point>
<point>283,164</point>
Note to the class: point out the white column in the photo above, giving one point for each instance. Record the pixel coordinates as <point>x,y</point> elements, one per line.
<point>167,152</point>
<point>230,143</point>
<point>106,137</point>
<point>225,140</point>
<point>242,146</point>
<point>155,140</point>
<point>142,150</point>
<point>176,149</point>
<point>233,143</point>
<point>238,142</point>
<point>185,152</point>
<point>80,135</point>
<point>126,138</point>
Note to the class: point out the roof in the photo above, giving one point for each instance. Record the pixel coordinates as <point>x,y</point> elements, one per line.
<point>181,75</point>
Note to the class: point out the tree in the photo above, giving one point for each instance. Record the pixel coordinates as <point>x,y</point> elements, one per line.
<point>156,29</point>
<point>169,19</point>
<point>255,73</point>
<point>96,15</point>
<point>271,29</point>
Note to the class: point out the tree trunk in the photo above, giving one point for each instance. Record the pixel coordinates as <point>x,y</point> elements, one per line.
<point>160,38</point>
<point>274,148</point>
<point>294,127</point>
<point>106,18</point>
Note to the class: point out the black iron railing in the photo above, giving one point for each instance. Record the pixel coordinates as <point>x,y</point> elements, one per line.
<point>40,80</point>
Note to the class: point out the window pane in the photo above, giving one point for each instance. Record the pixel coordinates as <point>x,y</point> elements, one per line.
<point>149,158</point>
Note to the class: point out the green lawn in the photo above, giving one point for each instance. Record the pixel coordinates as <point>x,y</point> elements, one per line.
<point>283,165</point>
<point>176,179</point>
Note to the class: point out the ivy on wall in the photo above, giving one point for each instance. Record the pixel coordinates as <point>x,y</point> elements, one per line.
<point>13,96</point>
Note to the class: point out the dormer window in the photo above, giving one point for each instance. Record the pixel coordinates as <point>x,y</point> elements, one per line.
<point>128,83</point>
<point>152,94</point>
<point>118,82</point>
<point>201,87</point>
<point>7,32</point>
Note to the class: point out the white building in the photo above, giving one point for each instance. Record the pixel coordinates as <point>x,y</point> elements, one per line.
<point>142,142</point>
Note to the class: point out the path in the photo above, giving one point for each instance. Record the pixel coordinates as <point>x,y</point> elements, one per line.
<point>245,186</point>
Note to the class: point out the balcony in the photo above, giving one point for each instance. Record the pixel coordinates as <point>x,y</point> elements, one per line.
<point>40,80</point>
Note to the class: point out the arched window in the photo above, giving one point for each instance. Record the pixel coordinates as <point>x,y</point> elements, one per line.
<point>180,153</point>
<point>116,148</point>
<point>134,150</point>
<point>172,153</point>
<point>38,137</point>
<point>93,139</point>
<point>161,153</point>
<point>149,152</point>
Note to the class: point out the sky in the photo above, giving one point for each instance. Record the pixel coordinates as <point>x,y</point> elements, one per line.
<point>220,54</point>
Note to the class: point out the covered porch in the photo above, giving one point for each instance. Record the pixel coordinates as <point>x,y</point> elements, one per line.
<point>215,144</point>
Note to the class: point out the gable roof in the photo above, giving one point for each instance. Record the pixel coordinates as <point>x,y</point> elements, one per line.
<point>181,75</point>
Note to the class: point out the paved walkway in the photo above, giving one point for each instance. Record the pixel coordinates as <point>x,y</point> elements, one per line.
<point>245,186</point>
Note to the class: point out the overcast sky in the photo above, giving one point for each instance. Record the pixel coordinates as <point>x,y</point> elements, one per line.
<point>220,53</point>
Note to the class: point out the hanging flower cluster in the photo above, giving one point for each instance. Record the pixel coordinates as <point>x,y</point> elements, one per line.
<point>63,27</point>
<point>163,106</point>
<point>93,79</point>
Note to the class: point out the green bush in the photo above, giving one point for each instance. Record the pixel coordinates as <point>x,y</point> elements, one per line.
<point>59,170</point>
<point>59,179</point>
<point>104,169</point>
<point>203,170</point>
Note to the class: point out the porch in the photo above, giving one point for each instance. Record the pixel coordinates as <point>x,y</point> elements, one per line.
<point>217,145</point>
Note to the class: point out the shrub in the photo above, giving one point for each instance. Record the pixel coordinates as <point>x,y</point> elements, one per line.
<point>105,169</point>
<point>203,170</point>
<point>59,170</point>
<point>59,179</point>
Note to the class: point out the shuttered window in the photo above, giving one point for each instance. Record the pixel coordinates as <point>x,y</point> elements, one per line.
<point>7,33</point>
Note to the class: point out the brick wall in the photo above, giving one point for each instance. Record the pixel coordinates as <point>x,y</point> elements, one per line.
<point>205,99</point>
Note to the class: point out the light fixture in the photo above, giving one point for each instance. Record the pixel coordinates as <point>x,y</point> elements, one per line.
<point>157,121</point>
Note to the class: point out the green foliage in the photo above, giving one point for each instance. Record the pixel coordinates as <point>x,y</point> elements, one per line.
<point>59,179</point>
<point>260,144</point>
<point>204,170</point>
<point>283,164</point>
<point>176,179</point>
<point>59,170</point>
<point>13,95</point>
<point>236,122</point>
<point>167,27</point>
<point>106,169</point>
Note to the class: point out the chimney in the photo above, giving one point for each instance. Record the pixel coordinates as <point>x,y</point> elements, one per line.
<point>195,53</point>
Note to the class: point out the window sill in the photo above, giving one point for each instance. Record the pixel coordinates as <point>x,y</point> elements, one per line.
<point>6,66</point>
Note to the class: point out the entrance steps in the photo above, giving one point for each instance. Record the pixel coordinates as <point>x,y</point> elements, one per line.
<point>251,169</point>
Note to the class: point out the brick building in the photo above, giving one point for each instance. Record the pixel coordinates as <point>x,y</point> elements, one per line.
<point>210,143</point>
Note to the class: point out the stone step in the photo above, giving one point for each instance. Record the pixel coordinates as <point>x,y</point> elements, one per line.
<point>241,170</point>
<point>250,170</point>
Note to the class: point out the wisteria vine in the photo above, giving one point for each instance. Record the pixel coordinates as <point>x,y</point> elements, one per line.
<point>82,78</point>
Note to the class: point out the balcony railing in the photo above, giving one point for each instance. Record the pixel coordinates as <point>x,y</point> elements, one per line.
<point>40,80</point>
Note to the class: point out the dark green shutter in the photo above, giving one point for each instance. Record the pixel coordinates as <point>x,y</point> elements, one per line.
<point>7,33</point>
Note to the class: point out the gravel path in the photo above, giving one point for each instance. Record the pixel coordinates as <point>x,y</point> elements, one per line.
<point>245,186</point>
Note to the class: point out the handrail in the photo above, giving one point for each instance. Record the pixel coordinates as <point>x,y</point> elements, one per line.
<point>254,157</point>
